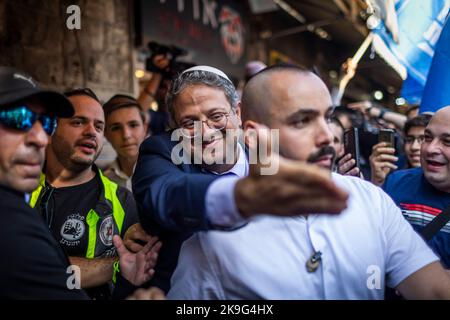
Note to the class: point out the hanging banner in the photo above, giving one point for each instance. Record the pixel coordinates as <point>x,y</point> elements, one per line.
<point>419,26</point>
<point>436,94</point>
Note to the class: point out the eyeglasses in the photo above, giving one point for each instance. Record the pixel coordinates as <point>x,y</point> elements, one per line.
<point>218,121</point>
<point>411,139</point>
<point>46,213</point>
<point>23,118</point>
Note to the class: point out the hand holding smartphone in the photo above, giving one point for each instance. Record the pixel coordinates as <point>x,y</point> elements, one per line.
<point>351,144</point>
<point>388,136</point>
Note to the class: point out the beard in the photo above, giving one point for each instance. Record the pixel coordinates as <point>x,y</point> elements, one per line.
<point>68,157</point>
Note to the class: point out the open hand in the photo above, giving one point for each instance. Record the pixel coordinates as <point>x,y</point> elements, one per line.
<point>137,268</point>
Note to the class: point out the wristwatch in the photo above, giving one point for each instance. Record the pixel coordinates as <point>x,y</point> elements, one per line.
<point>381,115</point>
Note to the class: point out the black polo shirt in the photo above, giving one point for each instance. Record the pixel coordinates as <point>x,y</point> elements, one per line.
<point>33,264</point>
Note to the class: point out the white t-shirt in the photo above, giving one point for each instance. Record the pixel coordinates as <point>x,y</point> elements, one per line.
<point>367,246</point>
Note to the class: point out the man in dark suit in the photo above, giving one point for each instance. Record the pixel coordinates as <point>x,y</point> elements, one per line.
<point>176,198</point>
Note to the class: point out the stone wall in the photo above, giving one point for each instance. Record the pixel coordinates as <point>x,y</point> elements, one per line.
<point>35,39</point>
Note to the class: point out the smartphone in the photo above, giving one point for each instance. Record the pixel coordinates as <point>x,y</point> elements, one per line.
<point>388,136</point>
<point>351,144</point>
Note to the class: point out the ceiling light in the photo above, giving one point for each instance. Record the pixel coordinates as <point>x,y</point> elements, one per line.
<point>400,101</point>
<point>139,74</point>
<point>378,95</point>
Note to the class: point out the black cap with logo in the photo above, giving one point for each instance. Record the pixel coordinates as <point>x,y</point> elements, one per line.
<point>16,86</point>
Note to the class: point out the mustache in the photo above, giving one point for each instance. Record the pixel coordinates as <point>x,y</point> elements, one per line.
<point>325,151</point>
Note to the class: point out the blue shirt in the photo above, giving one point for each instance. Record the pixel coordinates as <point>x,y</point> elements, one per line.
<point>420,203</point>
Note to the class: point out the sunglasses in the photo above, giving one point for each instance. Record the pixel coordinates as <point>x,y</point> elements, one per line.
<point>23,118</point>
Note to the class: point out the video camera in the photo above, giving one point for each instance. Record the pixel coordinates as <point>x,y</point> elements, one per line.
<point>172,53</point>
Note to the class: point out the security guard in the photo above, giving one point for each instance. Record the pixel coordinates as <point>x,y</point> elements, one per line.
<point>83,208</point>
<point>106,216</point>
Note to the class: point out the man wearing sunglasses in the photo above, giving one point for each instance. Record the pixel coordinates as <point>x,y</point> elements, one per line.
<point>83,208</point>
<point>34,265</point>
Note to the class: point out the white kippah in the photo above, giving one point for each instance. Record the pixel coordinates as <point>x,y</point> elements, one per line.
<point>208,69</point>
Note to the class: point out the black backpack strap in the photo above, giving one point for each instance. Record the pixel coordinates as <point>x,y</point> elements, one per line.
<point>432,228</point>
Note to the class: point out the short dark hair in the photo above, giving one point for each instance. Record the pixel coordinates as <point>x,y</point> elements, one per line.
<point>334,119</point>
<point>121,101</point>
<point>82,92</point>
<point>421,120</point>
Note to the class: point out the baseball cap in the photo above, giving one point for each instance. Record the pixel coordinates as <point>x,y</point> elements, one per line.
<point>16,85</point>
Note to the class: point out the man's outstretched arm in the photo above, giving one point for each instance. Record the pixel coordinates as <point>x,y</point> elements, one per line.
<point>183,201</point>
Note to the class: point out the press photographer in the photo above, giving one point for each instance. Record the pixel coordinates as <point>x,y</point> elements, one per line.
<point>164,66</point>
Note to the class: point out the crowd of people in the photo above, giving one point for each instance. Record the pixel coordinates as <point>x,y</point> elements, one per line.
<point>187,211</point>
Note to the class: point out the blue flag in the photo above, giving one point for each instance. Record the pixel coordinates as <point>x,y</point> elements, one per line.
<point>420,23</point>
<point>437,89</point>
